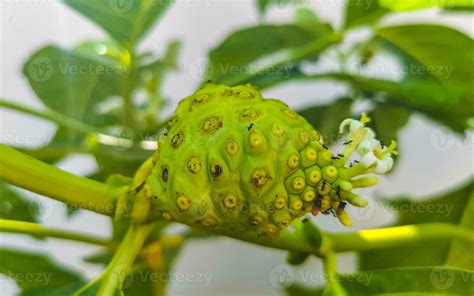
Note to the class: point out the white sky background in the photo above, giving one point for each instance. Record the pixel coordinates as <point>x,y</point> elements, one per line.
<point>430,161</point>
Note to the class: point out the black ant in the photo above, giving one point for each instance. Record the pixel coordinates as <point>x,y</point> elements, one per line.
<point>250,127</point>
<point>317,205</point>
<point>139,187</point>
<point>323,184</point>
<point>329,211</point>
<point>341,155</point>
<point>353,162</point>
<point>347,143</point>
<point>325,147</point>
<point>340,208</point>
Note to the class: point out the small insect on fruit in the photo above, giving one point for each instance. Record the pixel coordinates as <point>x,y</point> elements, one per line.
<point>235,161</point>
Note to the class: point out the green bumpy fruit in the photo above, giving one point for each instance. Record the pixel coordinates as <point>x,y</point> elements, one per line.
<point>233,160</point>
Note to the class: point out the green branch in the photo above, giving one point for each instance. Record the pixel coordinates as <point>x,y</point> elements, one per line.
<point>285,57</point>
<point>297,241</point>
<point>121,265</point>
<point>333,287</point>
<point>26,172</point>
<point>39,231</point>
<point>60,119</point>
<point>399,235</point>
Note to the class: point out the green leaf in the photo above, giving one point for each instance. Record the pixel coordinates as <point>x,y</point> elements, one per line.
<point>460,254</point>
<point>307,18</point>
<point>326,118</point>
<point>275,58</point>
<point>438,280</point>
<point>434,280</point>
<point>74,82</point>
<point>445,103</point>
<point>153,73</point>
<point>460,9</point>
<point>33,271</point>
<point>365,12</point>
<point>404,5</point>
<point>388,120</point>
<point>422,50</point>
<point>169,61</point>
<point>50,75</point>
<point>125,20</point>
<point>295,258</point>
<point>263,5</point>
<point>120,160</point>
<point>452,207</point>
<point>300,290</point>
<point>428,44</point>
<point>14,206</point>
<point>68,289</point>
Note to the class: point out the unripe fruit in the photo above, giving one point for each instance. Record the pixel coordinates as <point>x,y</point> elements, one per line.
<point>233,160</point>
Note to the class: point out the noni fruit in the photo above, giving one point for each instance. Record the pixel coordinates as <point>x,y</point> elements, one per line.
<point>232,160</point>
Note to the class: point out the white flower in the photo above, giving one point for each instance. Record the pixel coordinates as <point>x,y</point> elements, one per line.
<point>373,153</point>
<point>367,146</point>
<point>357,129</point>
<point>354,125</point>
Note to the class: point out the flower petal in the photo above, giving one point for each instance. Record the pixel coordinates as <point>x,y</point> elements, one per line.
<point>383,165</point>
<point>369,133</point>
<point>368,146</point>
<point>355,126</point>
<point>368,159</point>
<point>344,123</point>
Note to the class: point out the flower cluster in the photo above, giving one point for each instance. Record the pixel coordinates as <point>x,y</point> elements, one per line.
<point>374,155</point>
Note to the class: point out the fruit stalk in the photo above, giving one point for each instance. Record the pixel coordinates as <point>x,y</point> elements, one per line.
<point>26,172</point>
<point>37,230</point>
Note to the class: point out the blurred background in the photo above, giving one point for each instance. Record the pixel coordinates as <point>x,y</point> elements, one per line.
<point>431,158</point>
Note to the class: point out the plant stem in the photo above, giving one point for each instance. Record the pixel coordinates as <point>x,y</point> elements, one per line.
<point>361,240</point>
<point>128,89</point>
<point>26,172</point>
<point>399,235</point>
<point>51,152</point>
<point>333,287</point>
<point>287,240</point>
<point>51,115</point>
<point>37,230</point>
<point>121,265</point>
